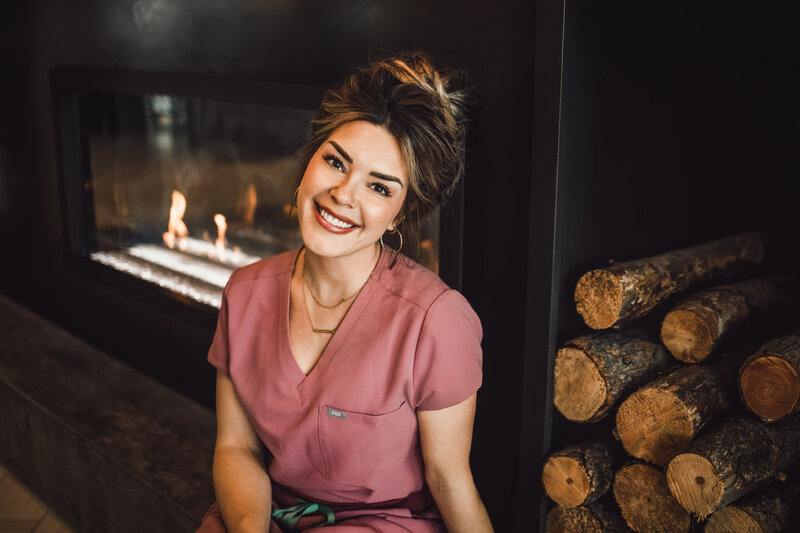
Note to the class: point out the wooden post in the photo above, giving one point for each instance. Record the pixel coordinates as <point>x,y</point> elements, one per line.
<point>647,505</point>
<point>660,419</point>
<point>593,372</point>
<point>578,475</point>
<point>694,327</point>
<point>621,293</point>
<point>594,518</point>
<point>770,379</point>
<point>730,461</point>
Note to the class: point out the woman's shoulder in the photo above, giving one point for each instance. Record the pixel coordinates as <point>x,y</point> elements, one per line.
<point>270,267</point>
<point>259,281</point>
<point>415,283</point>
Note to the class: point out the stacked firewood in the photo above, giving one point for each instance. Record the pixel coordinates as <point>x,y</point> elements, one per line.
<point>704,431</point>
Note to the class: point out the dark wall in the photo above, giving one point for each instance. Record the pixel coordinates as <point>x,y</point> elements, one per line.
<point>676,129</point>
<point>14,23</point>
<point>300,42</point>
<point>678,126</point>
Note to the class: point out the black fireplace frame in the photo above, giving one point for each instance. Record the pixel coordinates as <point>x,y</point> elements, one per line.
<point>69,85</point>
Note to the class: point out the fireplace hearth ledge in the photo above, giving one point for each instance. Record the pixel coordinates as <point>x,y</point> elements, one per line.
<point>107,448</point>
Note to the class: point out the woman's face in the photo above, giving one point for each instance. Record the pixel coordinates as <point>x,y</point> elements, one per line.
<point>352,190</point>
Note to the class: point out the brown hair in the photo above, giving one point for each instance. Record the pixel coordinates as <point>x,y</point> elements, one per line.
<point>424,109</point>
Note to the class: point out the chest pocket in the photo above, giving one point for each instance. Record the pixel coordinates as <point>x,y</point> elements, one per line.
<point>362,449</point>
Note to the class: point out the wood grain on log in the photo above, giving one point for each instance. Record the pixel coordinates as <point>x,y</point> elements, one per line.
<point>659,420</point>
<point>765,512</point>
<point>769,380</point>
<point>695,326</point>
<point>647,504</point>
<point>593,518</point>
<point>578,475</point>
<point>620,293</point>
<point>593,372</point>
<point>730,461</point>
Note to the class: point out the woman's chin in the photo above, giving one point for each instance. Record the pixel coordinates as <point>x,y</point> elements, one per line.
<point>329,247</point>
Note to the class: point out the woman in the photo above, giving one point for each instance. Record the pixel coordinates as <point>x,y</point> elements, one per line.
<point>355,367</point>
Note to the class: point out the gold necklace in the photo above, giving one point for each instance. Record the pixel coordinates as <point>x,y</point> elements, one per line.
<point>317,330</point>
<point>305,302</point>
<point>334,306</point>
<point>308,314</point>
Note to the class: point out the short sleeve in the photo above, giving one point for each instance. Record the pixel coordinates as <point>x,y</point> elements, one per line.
<point>218,354</point>
<point>447,365</point>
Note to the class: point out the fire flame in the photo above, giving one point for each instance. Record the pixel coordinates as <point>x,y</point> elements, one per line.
<point>176,228</point>
<point>178,235</point>
<point>222,226</point>
<point>250,209</point>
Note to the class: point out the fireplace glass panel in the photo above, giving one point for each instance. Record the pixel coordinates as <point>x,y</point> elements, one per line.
<point>183,191</point>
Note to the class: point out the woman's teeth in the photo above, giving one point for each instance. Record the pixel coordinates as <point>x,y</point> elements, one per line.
<point>333,220</point>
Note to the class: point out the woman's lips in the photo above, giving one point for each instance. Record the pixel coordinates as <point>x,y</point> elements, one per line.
<point>330,225</point>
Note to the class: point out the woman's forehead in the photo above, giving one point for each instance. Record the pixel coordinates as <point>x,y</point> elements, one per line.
<point>370,145</point>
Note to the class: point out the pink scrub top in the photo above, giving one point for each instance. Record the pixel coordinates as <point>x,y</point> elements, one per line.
<point>346,434</point>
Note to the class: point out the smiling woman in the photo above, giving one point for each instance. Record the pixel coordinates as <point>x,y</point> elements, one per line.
<point>349,189</point>
<point>353,366</point>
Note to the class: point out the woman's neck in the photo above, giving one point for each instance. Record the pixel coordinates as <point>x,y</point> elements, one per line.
<point>334,278</point>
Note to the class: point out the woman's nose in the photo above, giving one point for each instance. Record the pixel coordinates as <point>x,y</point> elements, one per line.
<point>343,192</point>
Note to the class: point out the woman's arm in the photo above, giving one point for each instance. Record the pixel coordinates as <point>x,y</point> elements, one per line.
<point>446,437</point>
<point>241,483</point>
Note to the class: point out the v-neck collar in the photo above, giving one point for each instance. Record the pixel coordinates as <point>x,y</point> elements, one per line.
<point>339,337</point>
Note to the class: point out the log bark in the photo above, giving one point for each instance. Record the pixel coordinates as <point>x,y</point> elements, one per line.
<point>769,380</point>
<point>621,293</point>
<point>647,504</point>
<point>694,328</point>
<point>661,419</point>
<point>578,475</point>
<point>593,372</point>
<point>767,512</point>
<point>593,518</point>
<point>730,461</point>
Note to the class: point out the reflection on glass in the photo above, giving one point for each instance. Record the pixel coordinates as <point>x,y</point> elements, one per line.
<point>186,190</point>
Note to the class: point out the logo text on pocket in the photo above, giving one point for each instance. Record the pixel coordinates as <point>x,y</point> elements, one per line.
<point>336,413</point>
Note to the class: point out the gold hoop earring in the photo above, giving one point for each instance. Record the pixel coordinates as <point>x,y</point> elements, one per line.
<point>401,240</point>
<point>393,232</point>
<point>294,196</point>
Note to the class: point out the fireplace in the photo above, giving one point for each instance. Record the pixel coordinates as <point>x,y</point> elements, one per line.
<point>177,181</point>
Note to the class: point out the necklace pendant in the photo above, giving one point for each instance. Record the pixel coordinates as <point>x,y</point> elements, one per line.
<point>326,331</point>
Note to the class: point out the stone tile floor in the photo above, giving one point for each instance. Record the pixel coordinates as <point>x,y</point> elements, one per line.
<point>22,512</point>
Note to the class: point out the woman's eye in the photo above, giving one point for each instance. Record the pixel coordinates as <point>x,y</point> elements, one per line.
<point>335,162</point>
<point>381,189</point>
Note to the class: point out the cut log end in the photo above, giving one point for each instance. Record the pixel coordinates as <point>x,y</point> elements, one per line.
<point>687,335</point>
<point>770,387</point>
<point>732,520</point>
<point>565,481</point>
<point>695,484</point>
<point>646,503</point>
<point>598,298</point>
<point>572,520</point>
<point>654,425</point>
<point>579,390</point>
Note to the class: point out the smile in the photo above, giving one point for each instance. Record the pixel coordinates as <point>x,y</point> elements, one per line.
<point>334,223</point>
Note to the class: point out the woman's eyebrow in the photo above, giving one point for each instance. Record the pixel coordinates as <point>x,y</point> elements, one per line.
<point>341,151</point>
<point>386,177</point>
<point>379,175</point>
